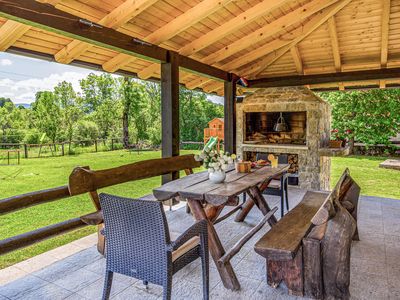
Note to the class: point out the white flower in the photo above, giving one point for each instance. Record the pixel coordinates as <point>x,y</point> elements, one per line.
<point>230,160</point>
<point>211,170</point>
<point>225,157</point>
<point>224,167</point>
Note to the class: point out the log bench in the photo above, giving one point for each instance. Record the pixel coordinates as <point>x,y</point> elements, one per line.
<point>309,248</point>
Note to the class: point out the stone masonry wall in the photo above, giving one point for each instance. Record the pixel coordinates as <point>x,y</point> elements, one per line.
<point>314,170</point>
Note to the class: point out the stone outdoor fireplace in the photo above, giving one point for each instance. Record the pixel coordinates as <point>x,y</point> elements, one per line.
<point>307,130</point>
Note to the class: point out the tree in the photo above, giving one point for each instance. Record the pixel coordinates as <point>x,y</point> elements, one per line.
<point>99,100</point>
<point>65,97</point>
<point>3,101</point>
<point>47,115</point>
<point>371,117</point>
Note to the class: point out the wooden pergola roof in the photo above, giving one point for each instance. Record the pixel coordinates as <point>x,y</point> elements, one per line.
<point>251,38</point>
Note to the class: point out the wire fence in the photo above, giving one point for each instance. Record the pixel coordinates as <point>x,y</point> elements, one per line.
<point>11,151</point>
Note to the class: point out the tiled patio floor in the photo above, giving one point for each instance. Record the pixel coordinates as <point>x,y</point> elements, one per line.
<point>375,265</point>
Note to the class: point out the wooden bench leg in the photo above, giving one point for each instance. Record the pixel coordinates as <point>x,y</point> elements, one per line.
<point>256,195</point>
<point>226,271</point>
<point>289,271</point>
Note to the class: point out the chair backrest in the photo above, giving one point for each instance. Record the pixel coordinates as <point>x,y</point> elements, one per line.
<point>136,237</point>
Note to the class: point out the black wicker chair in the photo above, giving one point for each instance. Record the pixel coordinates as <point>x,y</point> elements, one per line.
<point>138,244</point>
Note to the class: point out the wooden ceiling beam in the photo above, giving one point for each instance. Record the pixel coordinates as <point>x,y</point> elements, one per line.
<point>30,12</point>
<point>173,28</point>
<point>10,32</point>
<point>315,23</point>
<point>51,2</point>
<point>116,18</point>
<point>222,31</point>
<point>297,59</point>
<point>335,43</point>
<point>269,30</point>
<point>379,74</point>
<point>385,32</point>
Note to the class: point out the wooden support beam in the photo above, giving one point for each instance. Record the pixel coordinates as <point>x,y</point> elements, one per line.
<point>220,32</point>
<point>117,62</point>
<point>297,59</point>
<point>51,2</point>
<point>170,111</point>
<point>31,13</point>
<point>385,32</point>
<point>335,43</point>
<point>382,84</point>
<point>269,30</point>
<point>315,23</point>
<point>10,32</point>
<point>116,18</point>
<point>341,86</point>
<point>325,78</point>
<point>230,115</point>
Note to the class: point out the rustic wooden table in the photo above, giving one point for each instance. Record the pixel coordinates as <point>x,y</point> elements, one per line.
<point>206,201</point>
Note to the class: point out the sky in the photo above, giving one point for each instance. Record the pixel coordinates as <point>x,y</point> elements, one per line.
<point>21,77</point>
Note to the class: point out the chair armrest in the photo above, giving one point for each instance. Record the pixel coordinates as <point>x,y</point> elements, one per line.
<point>197,229</point>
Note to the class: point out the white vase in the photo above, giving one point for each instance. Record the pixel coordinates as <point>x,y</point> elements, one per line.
<point>217,176</point>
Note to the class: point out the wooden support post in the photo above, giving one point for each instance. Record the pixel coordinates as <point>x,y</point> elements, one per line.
<point>170,110</point>
<point>229,115</point>
<point>62,149</point>
<point>95,145</point>
<point>112,144</point>
<point>26,150</point>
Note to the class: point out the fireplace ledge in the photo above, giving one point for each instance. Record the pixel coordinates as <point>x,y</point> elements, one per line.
<point>277,146</point>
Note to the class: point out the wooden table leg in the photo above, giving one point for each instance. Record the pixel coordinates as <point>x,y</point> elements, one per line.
<point>246,208</point>
<point>257,197</point>
<point>226,271</point>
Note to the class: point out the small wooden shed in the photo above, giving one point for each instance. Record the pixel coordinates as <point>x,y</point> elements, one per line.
<point>215,129</point>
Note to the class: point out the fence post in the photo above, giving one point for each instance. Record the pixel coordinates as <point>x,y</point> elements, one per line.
<point>95,145</point>
<point>112,144</point>
<point>26,150</point>
<point>62,149</point>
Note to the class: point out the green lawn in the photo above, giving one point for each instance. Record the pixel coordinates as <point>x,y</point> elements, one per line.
<point>35,174</point>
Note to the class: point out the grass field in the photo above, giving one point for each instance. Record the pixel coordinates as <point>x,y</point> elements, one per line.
<point>35,174</point>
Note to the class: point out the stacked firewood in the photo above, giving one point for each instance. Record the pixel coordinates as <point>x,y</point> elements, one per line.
<point>293,161</point>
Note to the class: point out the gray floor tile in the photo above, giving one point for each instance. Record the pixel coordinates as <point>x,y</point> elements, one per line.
<point>247,288</point>
<point>133,293</point>
<point>95,289</point>
<point>22,287</point>
<point>77,280</point>
<point>368,286</point>
<point>56,271</point>
<point>48,292</point>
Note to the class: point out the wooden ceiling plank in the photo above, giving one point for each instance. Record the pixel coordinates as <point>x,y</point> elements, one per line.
<point>198,82</point>
<point>176,26</point>
<point>335,43</point>
<point>10,32</point>
<point>118,61</point>
<point>269,30</point>
<point>385,32</point>
<point>323,16</point>
<point>221,31</point>
<point>119,16</point>
<point>125,12</point>
<point>297,59</point>
<point>234,24</point>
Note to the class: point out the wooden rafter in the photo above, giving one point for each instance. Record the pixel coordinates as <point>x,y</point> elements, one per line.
<point>324,15</point>
<point>166,32</point>
<point>31,13</point>
<point>269,30</point>
<point>51,2</point>
<point>116,18</point>
<point>379,74</point>
<point>297,59</point>
<point>222,31</point>
<point>198,83</point>
<point>335,43</point>
<point>10,32</point>
<point>385,32</point>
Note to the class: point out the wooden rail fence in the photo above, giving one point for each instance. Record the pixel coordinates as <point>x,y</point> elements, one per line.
<point>81,181</point>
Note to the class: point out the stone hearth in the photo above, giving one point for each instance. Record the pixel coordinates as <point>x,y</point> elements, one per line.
<point>313,169</point>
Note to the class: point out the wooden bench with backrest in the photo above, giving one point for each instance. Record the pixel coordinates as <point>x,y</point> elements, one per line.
<point>309,248</point>
<point>82,179</point>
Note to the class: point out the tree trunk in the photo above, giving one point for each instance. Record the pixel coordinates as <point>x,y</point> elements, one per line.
<point>125,129</point>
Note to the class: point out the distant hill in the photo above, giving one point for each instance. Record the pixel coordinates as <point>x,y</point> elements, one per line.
<point>26,105</point>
